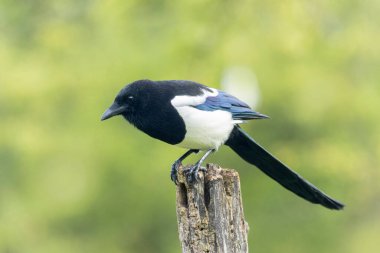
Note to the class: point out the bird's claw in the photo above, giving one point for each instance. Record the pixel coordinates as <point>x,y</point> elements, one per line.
<point>173,172</point>
<point>192,172</point>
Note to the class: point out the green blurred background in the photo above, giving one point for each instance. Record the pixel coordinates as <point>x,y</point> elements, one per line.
<point>70,183</point>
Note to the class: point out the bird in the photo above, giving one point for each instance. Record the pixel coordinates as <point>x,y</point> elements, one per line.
<point>200,118</point>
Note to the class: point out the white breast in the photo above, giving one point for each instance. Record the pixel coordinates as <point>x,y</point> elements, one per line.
<point>204,129</point>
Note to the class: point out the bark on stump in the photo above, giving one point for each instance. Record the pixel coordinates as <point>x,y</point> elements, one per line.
<point>210,212</point>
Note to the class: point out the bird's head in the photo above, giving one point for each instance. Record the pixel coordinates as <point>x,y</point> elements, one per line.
<point>126,102</point>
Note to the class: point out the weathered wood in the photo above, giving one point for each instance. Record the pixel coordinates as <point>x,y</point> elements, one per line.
<point>210,212</point>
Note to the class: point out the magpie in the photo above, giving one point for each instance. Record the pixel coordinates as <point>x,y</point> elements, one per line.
<point>199,118</point>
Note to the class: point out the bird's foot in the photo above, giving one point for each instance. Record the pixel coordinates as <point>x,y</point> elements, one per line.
<point>173,172</point>
<point>192,172</point>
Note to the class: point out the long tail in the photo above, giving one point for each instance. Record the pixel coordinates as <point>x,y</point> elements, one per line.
<point>253,153</point>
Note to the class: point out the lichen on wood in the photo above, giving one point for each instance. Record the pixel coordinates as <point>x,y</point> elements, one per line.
<point>210,212</point>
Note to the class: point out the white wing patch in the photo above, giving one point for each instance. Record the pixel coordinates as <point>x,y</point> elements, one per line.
<point>204,129</point>
<point>179,101</point>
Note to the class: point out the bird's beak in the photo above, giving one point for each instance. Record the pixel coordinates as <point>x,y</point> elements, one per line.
<point>114,110</point>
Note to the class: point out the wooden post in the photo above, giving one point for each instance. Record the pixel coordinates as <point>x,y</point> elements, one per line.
<point>210,212</point>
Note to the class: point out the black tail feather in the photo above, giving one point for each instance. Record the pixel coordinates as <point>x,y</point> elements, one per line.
<point>253,153</point>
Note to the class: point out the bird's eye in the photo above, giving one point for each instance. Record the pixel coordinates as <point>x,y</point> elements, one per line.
<point>131,97</point>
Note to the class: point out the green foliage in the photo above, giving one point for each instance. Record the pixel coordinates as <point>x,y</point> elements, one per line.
<point>69,183</point>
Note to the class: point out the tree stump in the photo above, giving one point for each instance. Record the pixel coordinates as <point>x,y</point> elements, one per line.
<point>210,212</point>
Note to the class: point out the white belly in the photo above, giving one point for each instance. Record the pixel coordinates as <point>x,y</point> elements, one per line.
<point>205,129</point>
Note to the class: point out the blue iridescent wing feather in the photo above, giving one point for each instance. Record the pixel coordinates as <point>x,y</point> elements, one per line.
<point>226,102</point>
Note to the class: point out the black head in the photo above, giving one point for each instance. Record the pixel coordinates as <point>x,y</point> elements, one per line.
<point>129,99</point>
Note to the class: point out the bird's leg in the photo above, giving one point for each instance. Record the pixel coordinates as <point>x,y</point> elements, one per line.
<point>193,173</point>
<point>178,162</point>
